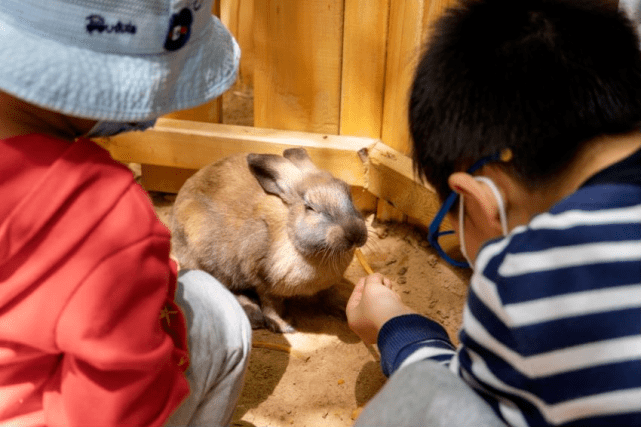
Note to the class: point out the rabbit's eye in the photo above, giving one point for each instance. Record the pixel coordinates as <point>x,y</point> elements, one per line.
<point>309,208</point>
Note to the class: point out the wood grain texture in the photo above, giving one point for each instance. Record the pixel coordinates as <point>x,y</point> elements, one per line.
<point>364,201</point>
<point>210,112</point>
<point>164,178</point>
<point>390,177</point>
<point>297,73</point>
<point>383,172</point>
<point>229,15</point>
<point>386,212</point>
<point>410,25</point>
<point>404,40</point>
<point>363,74</point>
<point>238,17</point>
<point>192,145</point>
<point>245,37</point>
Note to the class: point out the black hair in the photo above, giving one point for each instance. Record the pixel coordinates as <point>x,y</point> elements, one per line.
<point>539,77</point>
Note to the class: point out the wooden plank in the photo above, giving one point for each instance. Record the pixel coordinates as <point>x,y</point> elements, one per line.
<point>363,76</point>
<point>229,15</point>
<point>211,112</point>
<point>297,73</point>
<point>390,177</point>
<point>404,40</point>
<point>238,17</point>
<point>192,145</point>
<point>410,25</point>
<point>386,212</point>
<point>361,162</point>
<point>245,39</point>
<point>364,200</point>
<point>164,178</point>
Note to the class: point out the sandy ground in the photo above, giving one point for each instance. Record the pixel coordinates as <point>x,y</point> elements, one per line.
<point>329,374</point>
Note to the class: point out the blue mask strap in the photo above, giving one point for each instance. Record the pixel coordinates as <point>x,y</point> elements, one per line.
<point>433,229</point>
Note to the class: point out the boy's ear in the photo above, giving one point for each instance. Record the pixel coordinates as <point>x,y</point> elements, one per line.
<point>480,202</point>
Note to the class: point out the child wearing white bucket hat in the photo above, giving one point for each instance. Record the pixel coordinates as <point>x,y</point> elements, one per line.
<point>95,326</point>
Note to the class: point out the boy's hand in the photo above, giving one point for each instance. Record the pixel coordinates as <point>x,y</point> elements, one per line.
<point>371,304</point>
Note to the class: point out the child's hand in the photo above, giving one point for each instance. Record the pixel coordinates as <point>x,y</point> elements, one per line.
<point>371,304</point>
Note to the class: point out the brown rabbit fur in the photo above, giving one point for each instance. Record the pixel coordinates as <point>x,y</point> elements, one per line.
<point>274,225</point>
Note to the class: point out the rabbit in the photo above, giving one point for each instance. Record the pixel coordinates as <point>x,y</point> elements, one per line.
<point>269,225</point>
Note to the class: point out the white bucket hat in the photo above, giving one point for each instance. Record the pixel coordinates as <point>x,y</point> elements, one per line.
<point>118,60</point>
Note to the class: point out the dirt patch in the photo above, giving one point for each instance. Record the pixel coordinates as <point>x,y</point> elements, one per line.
<point>330,374</point>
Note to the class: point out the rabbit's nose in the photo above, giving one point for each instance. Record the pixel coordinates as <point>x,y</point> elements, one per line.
<point>356,234</point>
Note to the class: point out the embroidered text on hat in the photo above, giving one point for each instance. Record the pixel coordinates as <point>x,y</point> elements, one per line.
<point>98,23</point>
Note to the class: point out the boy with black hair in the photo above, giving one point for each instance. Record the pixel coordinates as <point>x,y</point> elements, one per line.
<point>527,114</point>
<point>96,329</point>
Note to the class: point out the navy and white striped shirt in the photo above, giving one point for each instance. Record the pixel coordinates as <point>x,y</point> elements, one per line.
<point>552,327</point>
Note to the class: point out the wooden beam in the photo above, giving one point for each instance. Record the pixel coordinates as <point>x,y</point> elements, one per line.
<point>192,145</point>
<point>164,178</point>
<point>364,200</point>
<point>390,177</point>
<point>386,212</point>
<point>363,77</point>
<point>361,162</point>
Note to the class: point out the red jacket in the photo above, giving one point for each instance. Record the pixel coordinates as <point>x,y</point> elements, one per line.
<point>89,333</point>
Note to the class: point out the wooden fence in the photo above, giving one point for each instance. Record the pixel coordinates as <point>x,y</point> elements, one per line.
<point>331,75</point>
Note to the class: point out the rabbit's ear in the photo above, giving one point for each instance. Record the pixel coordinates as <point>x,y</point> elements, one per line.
<point>300,158</point>
<point>274,173</point>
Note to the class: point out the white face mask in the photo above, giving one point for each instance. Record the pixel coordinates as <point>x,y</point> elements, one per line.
<point>105,128</point>
<point>461,213</point>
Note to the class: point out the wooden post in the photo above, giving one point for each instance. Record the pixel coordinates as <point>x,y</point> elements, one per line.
<point>386,212</point>
<point>405,36</point>
<point>390,177</point>
<point>363,76</point>
<point>238,17</point>
<point>409,25</point>
<point>363,81</point>
<point>245,37</point>
<point>298,49</point>
<point>229,10</point>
